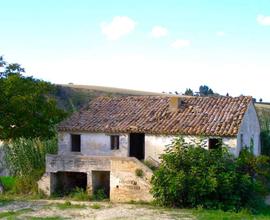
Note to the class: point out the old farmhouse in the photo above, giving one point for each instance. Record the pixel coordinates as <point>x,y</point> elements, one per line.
<point>102,146</point>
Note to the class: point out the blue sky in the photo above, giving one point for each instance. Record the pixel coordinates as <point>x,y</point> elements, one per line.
<point>148,45</point>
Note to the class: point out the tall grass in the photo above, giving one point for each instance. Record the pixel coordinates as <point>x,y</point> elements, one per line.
<point>25,159</point>
<point>25,156</point>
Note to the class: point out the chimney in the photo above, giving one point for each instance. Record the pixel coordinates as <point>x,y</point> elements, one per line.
<point>177,103</point>
<point>174,103</point>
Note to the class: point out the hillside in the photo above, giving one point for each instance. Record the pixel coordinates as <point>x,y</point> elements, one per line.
<point>72,97</point>
<point>263,110</point>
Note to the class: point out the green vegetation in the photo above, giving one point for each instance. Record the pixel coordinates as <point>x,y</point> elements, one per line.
<point>99,195</point>
<point>25,159</point>
<point>79,194</point>
<point>8,182</point>
<point>190,176</point>
<point>139,172</point>
<point>69,205</point>
<point>203,214</point>
<point>95,206</point>
<point>26,106</point>
<point>263,111</point>
<point>13,214</point>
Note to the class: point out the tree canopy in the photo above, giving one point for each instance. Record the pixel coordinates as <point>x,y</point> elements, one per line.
<point>205,91</point>
<point>26,107</point>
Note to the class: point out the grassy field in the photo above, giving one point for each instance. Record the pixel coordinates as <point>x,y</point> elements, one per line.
<point>61,209</point>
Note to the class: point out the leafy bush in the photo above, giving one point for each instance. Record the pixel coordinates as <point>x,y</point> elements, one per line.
<point>99,195</point>
<point>191,176</point>
<point>8,182</point>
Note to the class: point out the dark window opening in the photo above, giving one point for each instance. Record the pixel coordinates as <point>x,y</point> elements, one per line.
<point>76,143</point>
<point>114,142</point>
<point>101,182</point>
<point>214,143</point>
<point>136,145</point>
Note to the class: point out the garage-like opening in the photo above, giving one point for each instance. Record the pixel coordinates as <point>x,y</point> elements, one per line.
<point>101,183</point>
<point>136,145</point>
<point>66,182</point>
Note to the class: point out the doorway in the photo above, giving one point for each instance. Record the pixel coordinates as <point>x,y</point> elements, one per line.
<point>136,145</point>
<point>101,183</point>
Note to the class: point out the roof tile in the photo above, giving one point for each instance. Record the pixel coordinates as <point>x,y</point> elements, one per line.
<point>210,116</point>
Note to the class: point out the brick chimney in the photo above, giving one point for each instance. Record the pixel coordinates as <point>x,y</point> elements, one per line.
<point>174,103</point>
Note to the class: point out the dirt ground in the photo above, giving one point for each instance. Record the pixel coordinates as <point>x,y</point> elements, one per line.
<point>59,209</point>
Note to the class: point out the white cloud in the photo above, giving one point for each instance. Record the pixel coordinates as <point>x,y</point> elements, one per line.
<point>263,20</point>
<point>180,43</point>
<point>159,31</point>
<point>118,27</point>
<point>220,34</point>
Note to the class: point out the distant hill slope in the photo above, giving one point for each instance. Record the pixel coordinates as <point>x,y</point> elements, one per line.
<point>263,110</point>
<point>72,97</point>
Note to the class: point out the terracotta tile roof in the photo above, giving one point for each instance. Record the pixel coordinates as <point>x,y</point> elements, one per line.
<point>210,116</point>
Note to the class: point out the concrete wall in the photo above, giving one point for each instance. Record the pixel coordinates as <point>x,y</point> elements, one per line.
<point>125,185</point>
<point>250,129</point>
<point>95,144</point>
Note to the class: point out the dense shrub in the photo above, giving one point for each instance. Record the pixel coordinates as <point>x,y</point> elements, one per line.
<point>8,182</point>
<point>191,176</point>
<point>25,159</point>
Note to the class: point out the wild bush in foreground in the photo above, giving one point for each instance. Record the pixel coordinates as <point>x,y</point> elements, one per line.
<point>191,176</point>
<point>25,159</point>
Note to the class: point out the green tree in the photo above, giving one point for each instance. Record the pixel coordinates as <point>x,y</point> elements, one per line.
<point>189,92</point>
<point>205,91</point>
<point>26,107</point>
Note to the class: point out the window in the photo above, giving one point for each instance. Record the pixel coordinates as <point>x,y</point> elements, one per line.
<point>214,143</point>
<point>114,142</point>
<point>76,143</point>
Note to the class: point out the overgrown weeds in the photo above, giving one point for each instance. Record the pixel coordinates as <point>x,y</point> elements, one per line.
<point>25,159</point>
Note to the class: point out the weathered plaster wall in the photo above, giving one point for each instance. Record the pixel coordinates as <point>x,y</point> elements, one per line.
<point>98,144</point>
<point>93,144</point>
<point>250,128</point>
<point>231,144</point>
<point>155,145</point>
